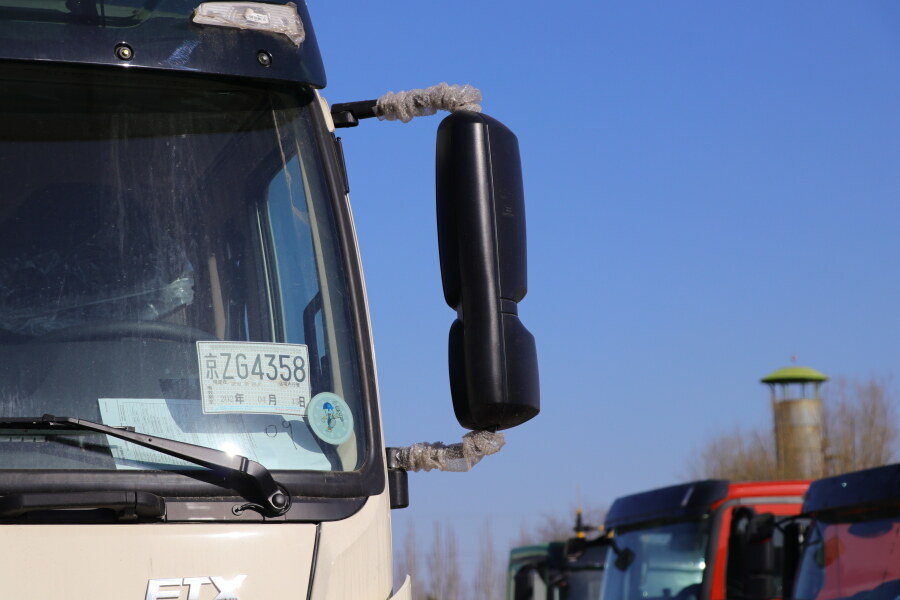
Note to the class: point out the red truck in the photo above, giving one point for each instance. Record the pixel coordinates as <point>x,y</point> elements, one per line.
<point>687,541</point>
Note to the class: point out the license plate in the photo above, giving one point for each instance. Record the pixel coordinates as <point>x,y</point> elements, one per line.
<point>254,377</point>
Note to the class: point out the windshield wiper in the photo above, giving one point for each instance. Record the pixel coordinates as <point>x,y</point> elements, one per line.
<point>273,500</point>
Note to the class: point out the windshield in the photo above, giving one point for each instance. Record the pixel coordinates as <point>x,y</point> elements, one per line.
<point>665,561</point>
<point>843,560</point>
<point>169,261</point>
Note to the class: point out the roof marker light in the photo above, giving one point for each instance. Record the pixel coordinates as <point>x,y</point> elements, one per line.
<point>274,18</point>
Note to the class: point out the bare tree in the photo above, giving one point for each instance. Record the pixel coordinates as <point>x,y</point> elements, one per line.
<point>443,566</point>
<point>860,425</point>
<point>436,572</point>
<point>453,586</point>
<point>737,456</point>
<point>411,549</point>
<point>407,563</point>
<point>557,527</point>
<point>488,581</point>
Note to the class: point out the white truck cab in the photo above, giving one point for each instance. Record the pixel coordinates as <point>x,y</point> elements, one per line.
<point>188,398</point>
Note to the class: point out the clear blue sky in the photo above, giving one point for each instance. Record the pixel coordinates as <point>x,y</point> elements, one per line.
<point>711,188</point>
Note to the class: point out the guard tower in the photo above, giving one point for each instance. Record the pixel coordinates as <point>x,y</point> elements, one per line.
<point>797,409</point>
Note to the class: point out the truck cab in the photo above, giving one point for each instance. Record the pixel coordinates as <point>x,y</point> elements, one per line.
<point>550,571</point>
<point>851,540</point>
<point>683,541</point>
<point>188,396</point>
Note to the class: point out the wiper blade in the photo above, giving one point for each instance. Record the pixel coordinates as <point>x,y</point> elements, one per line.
<point>273,500</point>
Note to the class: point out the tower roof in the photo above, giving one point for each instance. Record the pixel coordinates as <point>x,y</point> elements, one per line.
<point>795,375</point>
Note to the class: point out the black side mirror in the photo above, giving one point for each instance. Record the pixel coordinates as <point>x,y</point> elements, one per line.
<point>761,527</point>
<point>624,557</point>
<point>752,570</point>
<point>481,237</point>
<point>575,547</point>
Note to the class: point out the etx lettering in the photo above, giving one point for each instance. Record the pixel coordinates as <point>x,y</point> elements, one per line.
<point>226,588</point>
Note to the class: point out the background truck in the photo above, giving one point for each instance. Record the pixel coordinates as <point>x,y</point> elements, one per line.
<point>685,541</point>
<point>558,570</point>
<point>850,536</point>
<point>187,379</point>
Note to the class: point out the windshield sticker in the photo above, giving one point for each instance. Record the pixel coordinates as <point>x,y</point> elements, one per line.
<point>330,418</point>
<point>252,377</point>
<point>277,441</point>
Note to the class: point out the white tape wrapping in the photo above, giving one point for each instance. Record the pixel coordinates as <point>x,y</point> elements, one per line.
<point>459,457</point>
<point>404,106</point>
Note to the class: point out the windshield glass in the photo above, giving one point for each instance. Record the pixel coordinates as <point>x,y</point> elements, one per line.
<point>169,261</point>
<point>859,559</point>
<point>665,561</point>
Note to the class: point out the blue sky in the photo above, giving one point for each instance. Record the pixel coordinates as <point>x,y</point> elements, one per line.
<point>711,188</point>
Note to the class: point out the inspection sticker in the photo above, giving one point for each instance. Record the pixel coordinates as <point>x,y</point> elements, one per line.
<point>330,418</point>
<point>254,377</point>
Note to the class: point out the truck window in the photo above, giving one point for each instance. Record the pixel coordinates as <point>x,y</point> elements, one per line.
<point>669,562</point>
<point>146,220</point>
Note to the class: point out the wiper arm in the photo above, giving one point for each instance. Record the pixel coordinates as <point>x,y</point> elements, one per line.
<point>273,499</point>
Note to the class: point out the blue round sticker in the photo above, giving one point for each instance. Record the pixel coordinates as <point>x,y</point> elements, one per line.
<point>330,419</point>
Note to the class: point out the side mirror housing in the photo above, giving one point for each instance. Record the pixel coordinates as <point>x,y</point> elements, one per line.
<point>575,547</point>
<point>624,557</point>
<point>481,238</point>
<point>761,528</point>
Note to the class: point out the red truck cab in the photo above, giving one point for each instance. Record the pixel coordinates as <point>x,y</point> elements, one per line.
<point>675,542</point>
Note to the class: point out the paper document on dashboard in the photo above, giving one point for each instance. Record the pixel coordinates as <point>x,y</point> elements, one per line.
<point>276,441</point>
